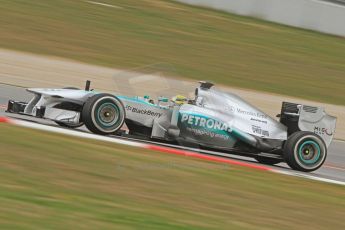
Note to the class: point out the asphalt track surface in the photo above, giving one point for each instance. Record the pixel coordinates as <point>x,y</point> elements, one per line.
<point>334,167</point>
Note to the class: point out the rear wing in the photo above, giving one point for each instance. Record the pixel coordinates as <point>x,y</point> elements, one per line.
<point>298,117</point>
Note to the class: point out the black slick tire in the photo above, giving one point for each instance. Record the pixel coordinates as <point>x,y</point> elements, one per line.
<point>103,114</point>
<point>305,151</point>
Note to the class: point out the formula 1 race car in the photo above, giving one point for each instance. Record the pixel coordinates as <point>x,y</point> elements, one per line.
<point>212,120</point>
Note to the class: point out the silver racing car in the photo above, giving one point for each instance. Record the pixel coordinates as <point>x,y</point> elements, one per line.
<point>212,120</point>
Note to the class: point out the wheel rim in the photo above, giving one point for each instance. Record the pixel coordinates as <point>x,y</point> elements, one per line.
<point>309,152</point>
<point>107,115</point>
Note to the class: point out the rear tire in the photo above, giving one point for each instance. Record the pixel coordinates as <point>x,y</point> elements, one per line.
<point>103,114</point>
<point>268,160</point>
<point>305,151</point>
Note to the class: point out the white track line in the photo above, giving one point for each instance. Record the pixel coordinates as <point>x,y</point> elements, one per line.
<point>140,145</point>
<point>302,175</point>
<point>71,132</point>
<point>104,4</point>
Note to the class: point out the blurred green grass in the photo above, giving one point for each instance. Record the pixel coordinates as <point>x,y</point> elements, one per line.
<point>51,181</point>
<point>201,43</point>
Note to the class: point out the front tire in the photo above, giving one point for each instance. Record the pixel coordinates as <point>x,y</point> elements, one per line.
<point>103,114</point>
<point>305,151</point>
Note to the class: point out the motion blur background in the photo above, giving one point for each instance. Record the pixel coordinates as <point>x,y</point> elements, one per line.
<point>199,43</point>
<point>182,41</point>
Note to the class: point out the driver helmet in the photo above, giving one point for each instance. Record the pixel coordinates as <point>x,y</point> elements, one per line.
<point>179,100</point>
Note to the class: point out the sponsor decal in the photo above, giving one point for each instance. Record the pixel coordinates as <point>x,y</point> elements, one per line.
<point>322,131</point>
<point>250,113</point>
<point>203,132</point>
<point>143,111</point>
<point>203,122</point>
<point>229,108</point>
<point>258,120</point>
<point>258,130</point>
